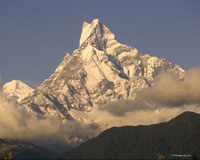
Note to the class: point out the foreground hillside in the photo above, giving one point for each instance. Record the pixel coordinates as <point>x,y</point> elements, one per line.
<point>23,150</point>
<point>180,135</point>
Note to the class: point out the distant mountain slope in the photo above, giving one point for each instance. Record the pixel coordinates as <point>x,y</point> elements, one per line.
<point>16,89</point>
<point>23,150</point>
<point>180,135</point>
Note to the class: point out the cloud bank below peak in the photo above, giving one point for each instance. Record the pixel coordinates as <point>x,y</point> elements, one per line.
<point>168,90</point>
<point>45,130</point>
<point>167,98</point>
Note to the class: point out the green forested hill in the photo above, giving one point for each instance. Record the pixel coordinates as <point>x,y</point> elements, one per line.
<point>180,135</point>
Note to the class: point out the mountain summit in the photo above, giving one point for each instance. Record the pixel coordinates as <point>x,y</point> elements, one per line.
<point>100,71</point>
<point>16,89</point>
<point>96,35</point>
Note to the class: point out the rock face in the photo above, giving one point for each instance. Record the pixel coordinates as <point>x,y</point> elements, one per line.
<point>100,71</point>
<point>16,90</point>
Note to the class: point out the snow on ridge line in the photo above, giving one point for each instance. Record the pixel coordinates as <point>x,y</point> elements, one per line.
<point>16,90</point>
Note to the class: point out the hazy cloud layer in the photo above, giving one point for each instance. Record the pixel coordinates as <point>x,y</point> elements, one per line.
<point>165,100</point>
<point>140,117</point>
<point>17,123</point>
<point>167,92</point>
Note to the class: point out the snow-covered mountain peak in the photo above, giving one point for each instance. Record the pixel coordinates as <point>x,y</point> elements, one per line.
<point>100,71</point>
<point>95,34</point>
<point>16,89</point>
<point>14,84</point>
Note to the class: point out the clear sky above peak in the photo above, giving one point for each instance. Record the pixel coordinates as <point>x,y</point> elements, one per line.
<point>35,35</point>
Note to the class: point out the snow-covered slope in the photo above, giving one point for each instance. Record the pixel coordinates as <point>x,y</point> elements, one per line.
<point>16,90</point>
<point>100,71</point>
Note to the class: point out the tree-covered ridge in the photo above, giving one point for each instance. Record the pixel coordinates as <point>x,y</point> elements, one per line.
<point>179,136</point>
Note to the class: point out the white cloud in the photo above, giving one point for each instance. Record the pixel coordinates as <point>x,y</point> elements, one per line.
<point>165,100</point>
<point>17,123</point>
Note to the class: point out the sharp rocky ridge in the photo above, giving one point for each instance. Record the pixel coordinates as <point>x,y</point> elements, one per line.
<point>100,71</point>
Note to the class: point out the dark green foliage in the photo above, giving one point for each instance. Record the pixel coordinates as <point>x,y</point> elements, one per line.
<point>23,150</point>
<point>180,135</point>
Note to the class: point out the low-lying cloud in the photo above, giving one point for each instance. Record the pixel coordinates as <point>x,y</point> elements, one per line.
<point>17,123</point>
<point>169,90</point>
<point>107,119</point>
<point>167,98</point>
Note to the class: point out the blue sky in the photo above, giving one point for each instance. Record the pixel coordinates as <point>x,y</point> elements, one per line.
<point>36,34</point>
